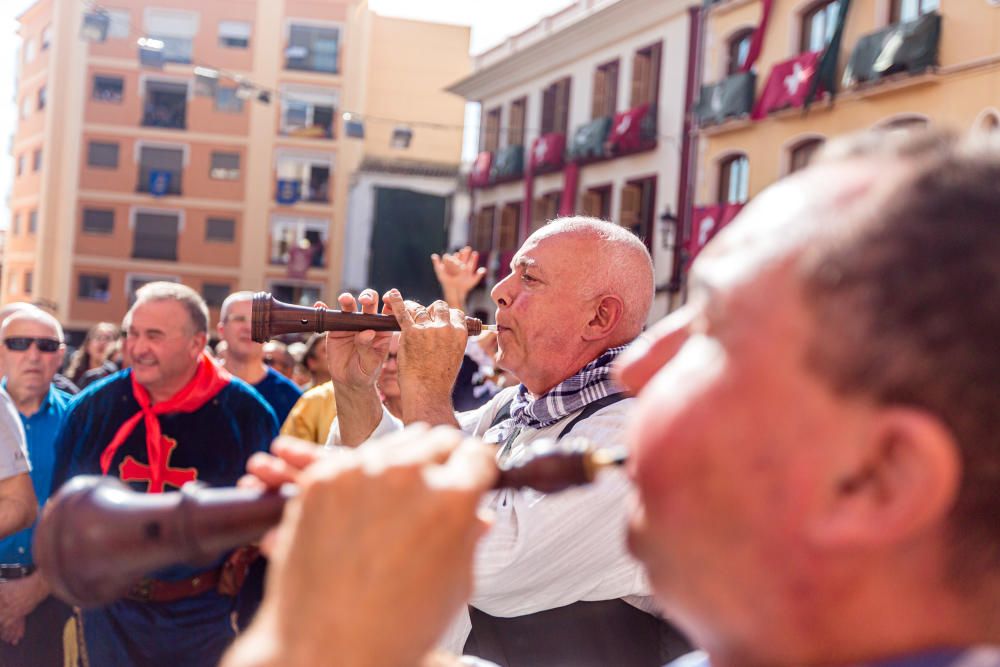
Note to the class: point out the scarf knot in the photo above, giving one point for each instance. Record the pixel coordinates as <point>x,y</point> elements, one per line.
<point>591,383</point>
<point>209,379</point>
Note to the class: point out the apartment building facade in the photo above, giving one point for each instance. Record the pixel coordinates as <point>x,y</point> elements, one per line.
<point>203,143</point>
<point>891,64</point>
<point>584,113</point>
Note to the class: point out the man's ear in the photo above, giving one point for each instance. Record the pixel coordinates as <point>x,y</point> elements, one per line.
<point>903,481</point>
<point>199,340</point>
<point>607,313</point>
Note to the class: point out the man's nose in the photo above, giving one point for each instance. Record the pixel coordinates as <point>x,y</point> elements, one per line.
<point>501,291</point>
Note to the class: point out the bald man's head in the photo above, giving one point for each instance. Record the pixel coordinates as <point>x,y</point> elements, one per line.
<point>616,262</point>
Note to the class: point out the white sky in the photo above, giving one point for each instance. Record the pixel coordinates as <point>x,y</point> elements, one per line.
<point>491,20</point>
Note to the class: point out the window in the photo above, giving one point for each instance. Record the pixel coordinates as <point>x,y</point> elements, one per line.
<point>802,154</point>
<point>94,287</point>
<point>108,88</point>
<point>20,164</point>
<point>155,236</point>
<point>98,221</point>
<point>102,154</point>
<point>288,232</point>
<point>41,97</point>
<point>555,107</point>
<point>482,231</point>
<point>597,203</point>
<point>176,29</point>
<point>165,104</point>
<point>908,10</point>
<point>605,102</point>
<point>308,112</point>
<point>734,175</point>
<point>646,76</point>
<point>739,49</point>
<point>302,294</point>
<point>225,166</point>
<point>312,48</point>
<point>118,26</point>
<point>220,230</point>
<point>215,293</point>
<point>133,282</point>
<point>227,100</point>
<point>638,208</point>
<point>30,51</point>
<point>515,127</point>
<point>33,222</point>
<point>545,208</point>
<point>15,224</point>
<point>36,160</point>
<point>234,34</point>
<point>28,280</point>
<point>491,130</point>
<point>818,24</point>
<point>46,37</point>
<point>510,218</point>
<point>311,175</point>
<point>160,170</point>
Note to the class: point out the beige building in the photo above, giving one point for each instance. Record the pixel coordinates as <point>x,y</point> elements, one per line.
<point>584,113</point>
<point>203,142</point>
<point>900,62</point>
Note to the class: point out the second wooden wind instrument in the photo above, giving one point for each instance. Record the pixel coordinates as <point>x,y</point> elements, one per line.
<point>270,317</point>
<point>97,538</point>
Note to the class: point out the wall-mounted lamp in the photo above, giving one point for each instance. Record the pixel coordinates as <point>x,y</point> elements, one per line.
<point>401,137</point>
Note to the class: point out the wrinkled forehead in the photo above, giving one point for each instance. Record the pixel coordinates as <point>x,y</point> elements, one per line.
<point>162,314</point>
<point>785,219</point>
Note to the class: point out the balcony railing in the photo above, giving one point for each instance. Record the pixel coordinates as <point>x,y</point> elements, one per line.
<point>727,99</point>
<point>910,47</point>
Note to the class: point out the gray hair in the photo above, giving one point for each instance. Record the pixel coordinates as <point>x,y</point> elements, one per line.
<point>182,294</point>
<point>35,314</point>
<point>623,268</point>
<point>235,297</point>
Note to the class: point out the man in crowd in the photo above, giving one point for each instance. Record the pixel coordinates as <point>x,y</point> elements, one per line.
<point>245,359</point>
<point>174,417</point>
<point>31,620</point>
<point>59,380</point>
<point>552,573</point>
<point>312,415</point>
<point>815,448</point>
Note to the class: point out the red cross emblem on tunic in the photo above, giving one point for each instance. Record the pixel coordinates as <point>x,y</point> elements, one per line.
<point>160,475</point>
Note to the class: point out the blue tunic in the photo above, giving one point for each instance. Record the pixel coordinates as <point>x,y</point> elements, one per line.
<point>216,441</point>
<point>279,392</point>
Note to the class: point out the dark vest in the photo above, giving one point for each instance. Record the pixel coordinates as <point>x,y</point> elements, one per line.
<point>606,633</point>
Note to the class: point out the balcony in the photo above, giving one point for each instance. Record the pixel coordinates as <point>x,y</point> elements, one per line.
<point>482,170</point>
<point>166,105</point>
<point>588,140</point>
<point>632,131</point>
<point>547,153</point>
<point>909,48</point>
<point>508,165</point>
<point>315,189</point>
<point>159,182</point>
<point>726,100</point>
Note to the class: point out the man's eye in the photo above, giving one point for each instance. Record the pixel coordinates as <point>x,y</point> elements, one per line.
<point>525,276</point>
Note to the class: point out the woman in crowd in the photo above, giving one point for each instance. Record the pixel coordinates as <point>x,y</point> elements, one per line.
<point>92,353</point>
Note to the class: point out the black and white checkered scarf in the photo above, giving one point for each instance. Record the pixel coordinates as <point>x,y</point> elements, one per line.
<point>591,383</point>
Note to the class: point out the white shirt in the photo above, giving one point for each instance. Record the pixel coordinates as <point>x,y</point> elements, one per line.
<point>13,446</point>
<point>547,550</point>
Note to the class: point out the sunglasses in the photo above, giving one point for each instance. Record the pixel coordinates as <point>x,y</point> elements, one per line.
<point>22,343</point>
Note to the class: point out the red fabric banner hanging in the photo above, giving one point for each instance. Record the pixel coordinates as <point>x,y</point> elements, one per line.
<point>480,175</point>
<point>706,222</point>
<point>571,179</point>
<point>757,42</point>
<point>626,130</point>
<point>547,152</point>
<point>788,85</point>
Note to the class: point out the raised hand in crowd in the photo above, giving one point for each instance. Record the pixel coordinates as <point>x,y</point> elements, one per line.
<point>458,273</point>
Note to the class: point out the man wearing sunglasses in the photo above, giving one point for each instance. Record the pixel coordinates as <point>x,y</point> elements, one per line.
<point>31,620</point>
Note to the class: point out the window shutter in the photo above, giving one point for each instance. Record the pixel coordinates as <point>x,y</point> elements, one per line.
<point>600,87</point>
<point>592,204</point>
<point>631,209</point>
<point>508,228</point>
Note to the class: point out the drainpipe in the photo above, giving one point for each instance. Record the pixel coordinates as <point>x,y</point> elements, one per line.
<point>686,182</point>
